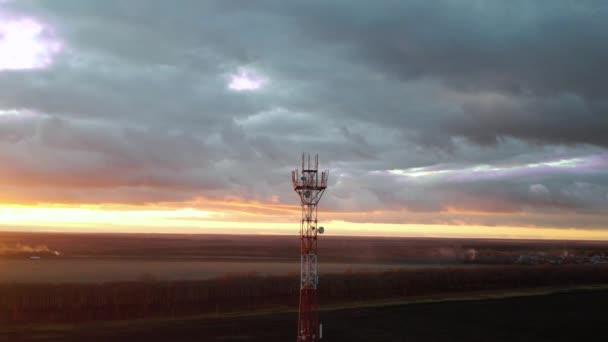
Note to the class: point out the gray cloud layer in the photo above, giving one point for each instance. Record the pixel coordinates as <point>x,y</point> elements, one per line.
<point>137,108</point>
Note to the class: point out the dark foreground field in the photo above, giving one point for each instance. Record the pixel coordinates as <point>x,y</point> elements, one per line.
<point>572,316</point>
<point>158,301</point>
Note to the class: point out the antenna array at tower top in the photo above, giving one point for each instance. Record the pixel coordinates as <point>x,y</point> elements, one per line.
<point>309,178</point>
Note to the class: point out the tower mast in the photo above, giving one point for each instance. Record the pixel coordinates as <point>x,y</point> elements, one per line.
<point>309,185</point>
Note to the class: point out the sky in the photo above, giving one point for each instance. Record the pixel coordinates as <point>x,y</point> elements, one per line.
<point>434,118</point>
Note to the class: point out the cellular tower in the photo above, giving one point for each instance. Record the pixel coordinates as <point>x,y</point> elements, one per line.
<point>309,185</point>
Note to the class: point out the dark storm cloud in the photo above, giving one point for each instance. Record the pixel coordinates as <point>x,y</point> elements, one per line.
<point>138,104</point>
<point>516,46</point>
<point>548,59</point>
<point>566,119</point>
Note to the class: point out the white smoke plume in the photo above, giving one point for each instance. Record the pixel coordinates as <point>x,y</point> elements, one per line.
<point>21,248</point>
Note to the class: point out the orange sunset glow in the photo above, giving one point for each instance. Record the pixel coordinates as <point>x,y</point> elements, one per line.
<point>230,218</point>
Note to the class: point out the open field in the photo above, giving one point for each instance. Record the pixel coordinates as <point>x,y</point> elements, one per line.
<point>95,258</point>
<point>567,316</point>
<point>98,287</point>
<point>87,270</point>
<point>259,247</point>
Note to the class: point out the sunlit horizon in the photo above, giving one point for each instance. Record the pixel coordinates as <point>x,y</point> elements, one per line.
<point>153,220</point>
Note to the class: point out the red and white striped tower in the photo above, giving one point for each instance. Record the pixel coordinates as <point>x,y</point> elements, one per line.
<point>309,185</point>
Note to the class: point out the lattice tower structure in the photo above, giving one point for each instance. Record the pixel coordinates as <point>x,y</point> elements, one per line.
<point>310,184</point>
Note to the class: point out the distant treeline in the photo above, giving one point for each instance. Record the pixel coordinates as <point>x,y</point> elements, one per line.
<point>27,303</point>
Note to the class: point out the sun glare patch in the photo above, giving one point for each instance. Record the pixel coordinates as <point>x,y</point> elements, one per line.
<point>21,114</point>
<point>26,44</point>
<point>246,80</point>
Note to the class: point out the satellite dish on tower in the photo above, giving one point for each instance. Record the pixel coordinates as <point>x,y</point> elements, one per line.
<point>307,193</point>
<point>321,230</point>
